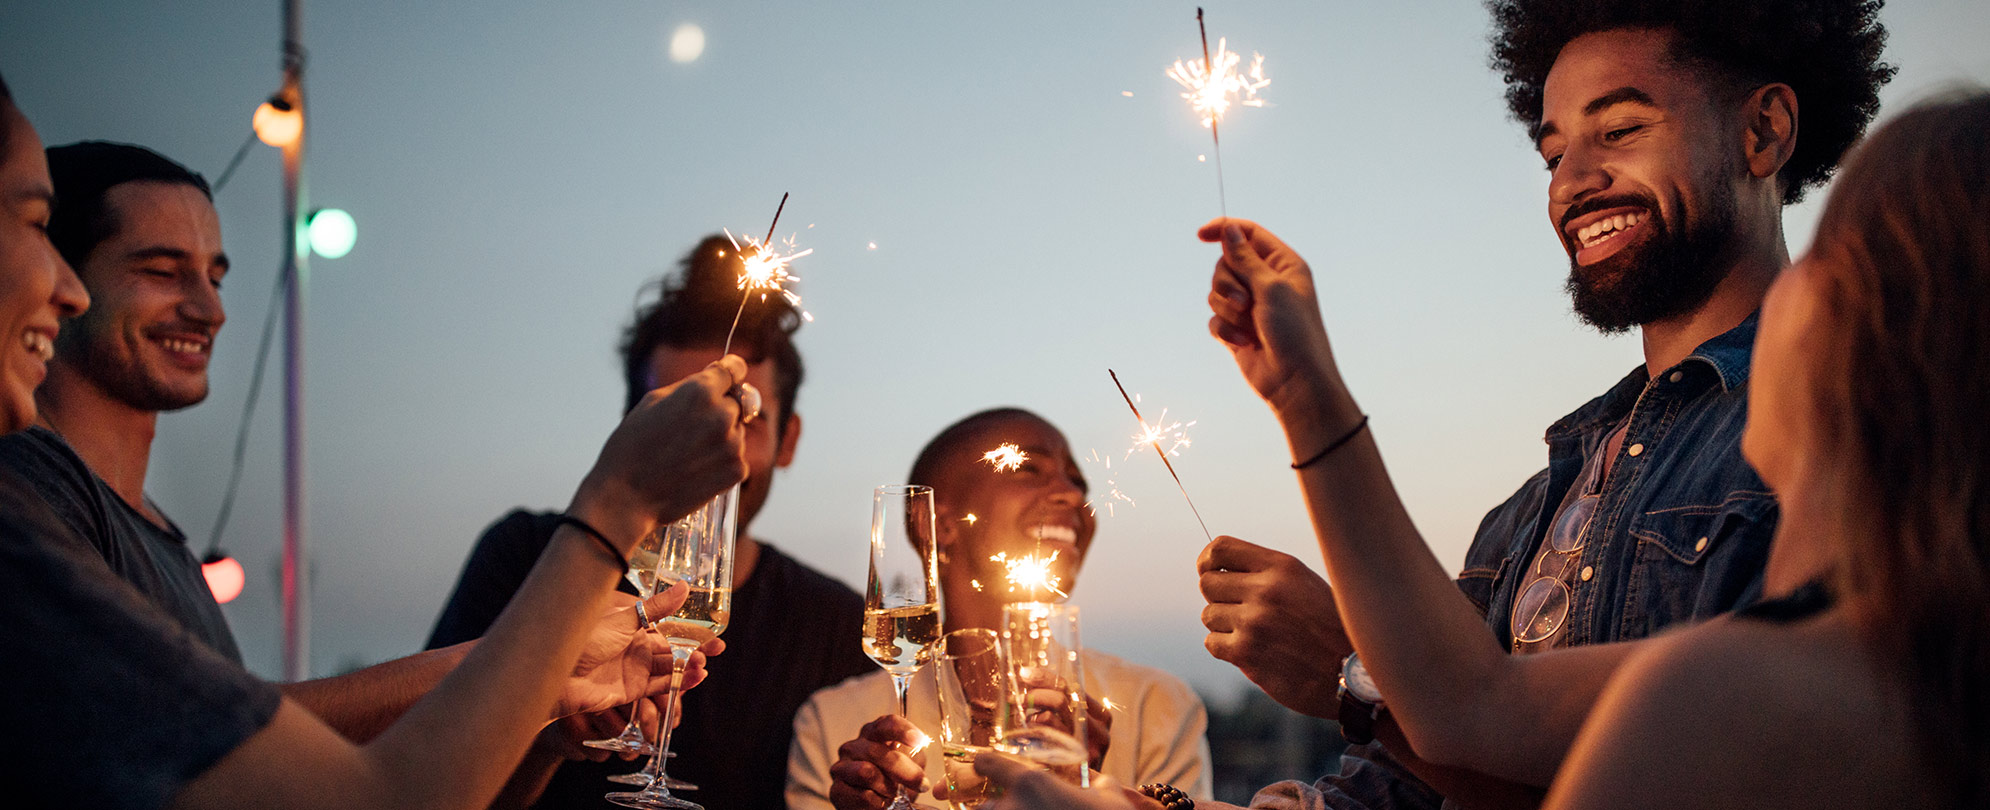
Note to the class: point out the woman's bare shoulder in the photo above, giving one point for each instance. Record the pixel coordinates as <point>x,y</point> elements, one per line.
<point>1735,710</point>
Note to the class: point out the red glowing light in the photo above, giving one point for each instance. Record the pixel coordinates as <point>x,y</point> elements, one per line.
<point>224,577</point>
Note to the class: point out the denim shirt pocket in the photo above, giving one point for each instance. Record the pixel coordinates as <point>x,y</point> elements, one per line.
<point>1694,562</point>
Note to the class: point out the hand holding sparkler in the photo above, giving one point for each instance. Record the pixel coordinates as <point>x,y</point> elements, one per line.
<point>1267,313</point>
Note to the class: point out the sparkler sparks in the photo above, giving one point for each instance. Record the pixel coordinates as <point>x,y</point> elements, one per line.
<point>1213,83</point>
<point>1211,88</point>
<point>1032,572</point>
<point>1174,435</point>
<point>1005,458</point>
<point>1112,487</point>
<point>765,269</point>
<point>1153,439</point>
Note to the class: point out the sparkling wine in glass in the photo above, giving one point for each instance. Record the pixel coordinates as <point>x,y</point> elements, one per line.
<point>969,670</point>
<point>696,551</point>
<point>1042,716</point>
<point>902,599</point>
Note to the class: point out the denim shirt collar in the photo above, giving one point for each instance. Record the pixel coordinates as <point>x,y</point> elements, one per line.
<point>1727,355</point>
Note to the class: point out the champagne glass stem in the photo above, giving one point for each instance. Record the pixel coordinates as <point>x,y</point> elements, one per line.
<point>657,789</point>
<point>901,684</point>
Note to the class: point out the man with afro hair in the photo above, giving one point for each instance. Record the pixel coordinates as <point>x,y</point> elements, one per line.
<point>1674,133</point>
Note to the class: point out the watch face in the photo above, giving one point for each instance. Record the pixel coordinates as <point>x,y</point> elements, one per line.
<point>1358,682</point>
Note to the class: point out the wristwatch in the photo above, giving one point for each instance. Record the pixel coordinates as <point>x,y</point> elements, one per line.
<point>1360,702</point>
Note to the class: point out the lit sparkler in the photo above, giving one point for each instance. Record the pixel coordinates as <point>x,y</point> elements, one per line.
<point>1149,434</point>
<point>1172,434</point>
<point>1032,572</point>
<point>1214,85</point>
<point>765,270</point>
<point>1005,458</point>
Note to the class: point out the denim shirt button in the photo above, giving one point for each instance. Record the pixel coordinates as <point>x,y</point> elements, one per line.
<point>1587,572</point>
<point>1637,449</point>
<point>1675,376</point>
<point>1700,546</point>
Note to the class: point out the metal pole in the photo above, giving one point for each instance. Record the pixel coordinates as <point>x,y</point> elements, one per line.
<point>296,556</point>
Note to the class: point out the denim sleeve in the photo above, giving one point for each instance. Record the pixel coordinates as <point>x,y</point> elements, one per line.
<point>1369,779</point>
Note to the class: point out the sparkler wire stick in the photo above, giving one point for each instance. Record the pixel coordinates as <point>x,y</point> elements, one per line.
<point>764,243</point>
<point>1216,141</point>
<point>1162,454</point>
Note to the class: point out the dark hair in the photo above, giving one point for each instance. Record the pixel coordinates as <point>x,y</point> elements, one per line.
<point>1899,368</point>
<point>927,465</point>
<point>84,173</point>
<point>1827,51</point>
<point>695,309</point>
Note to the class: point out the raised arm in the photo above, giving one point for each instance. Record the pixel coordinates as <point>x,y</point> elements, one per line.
<point>455,747</point>
<point>1459,698</point>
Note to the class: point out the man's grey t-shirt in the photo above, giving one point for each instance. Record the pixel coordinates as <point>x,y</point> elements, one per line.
<point>110,703</point>
<point>153,559</point>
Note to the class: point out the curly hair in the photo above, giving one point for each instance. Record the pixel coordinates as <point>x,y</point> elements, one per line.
<point>1828,51</point>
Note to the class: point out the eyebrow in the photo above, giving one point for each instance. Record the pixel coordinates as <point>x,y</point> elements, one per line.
<point>1621,95</point>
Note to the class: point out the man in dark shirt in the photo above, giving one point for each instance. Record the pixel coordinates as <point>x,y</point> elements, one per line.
<point>1670,133</point>
<point>141,349</point>
<point>142,234</point>
<point>793,629</point>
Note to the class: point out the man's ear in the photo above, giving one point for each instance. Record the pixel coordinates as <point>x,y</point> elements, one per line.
<point>791,435</point>
<point>1770,116</point>
<point>947,531</point>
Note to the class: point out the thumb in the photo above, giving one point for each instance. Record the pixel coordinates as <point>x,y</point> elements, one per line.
<point>666,602</point>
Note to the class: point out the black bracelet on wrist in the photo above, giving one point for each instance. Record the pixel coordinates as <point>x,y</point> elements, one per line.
<point>589,530</point>
<point>1335,444</point>
<point>1169,796</point>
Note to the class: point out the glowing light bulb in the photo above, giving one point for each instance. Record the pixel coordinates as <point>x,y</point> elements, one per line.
<point>332,232</point>
<point>278,123</point>
<point>224,576</point>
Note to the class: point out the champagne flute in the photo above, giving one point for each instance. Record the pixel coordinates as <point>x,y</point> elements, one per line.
<point>902,601</point>
<point>643,561</point>
<point>969,669</point>
<point>1042,716</point>
<point>641,574</point>
<point>698,552</point>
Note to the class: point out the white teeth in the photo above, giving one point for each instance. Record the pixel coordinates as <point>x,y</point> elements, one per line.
<point>38,345</point>
<point>1056,533</point>
<point>1593,233</point>
<point>186,346</point>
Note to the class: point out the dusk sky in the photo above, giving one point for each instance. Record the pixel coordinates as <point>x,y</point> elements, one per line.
<point>1031,182</point>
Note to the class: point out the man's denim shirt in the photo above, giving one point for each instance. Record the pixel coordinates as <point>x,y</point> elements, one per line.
<point>1684,534</point>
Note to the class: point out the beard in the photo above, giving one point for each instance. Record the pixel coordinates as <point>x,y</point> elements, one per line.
<point>1672,272</point>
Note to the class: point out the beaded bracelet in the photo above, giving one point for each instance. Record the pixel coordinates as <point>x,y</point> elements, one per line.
<point>1169,796</point>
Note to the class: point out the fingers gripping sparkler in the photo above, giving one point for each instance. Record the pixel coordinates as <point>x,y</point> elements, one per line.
<point>1210,88</point>
<point>1154,438</point>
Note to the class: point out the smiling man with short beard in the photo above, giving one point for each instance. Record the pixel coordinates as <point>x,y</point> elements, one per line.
<point>1674,133</point>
